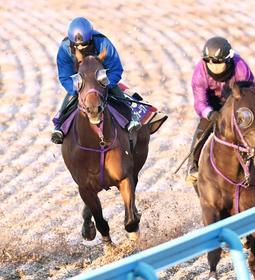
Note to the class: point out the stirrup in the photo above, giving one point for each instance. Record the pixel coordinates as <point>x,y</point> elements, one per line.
<point>57,136</point>
<point>134,126</point>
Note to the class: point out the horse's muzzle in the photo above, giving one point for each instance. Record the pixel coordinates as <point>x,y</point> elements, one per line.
<point>94,118</point>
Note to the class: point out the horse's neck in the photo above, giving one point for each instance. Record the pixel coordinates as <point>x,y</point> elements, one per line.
<point>87,135</point>
<point>227,161</point>
<point>226,156</point>
<point>224,126</point>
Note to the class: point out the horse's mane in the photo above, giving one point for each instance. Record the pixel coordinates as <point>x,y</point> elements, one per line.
<point>245,84</point>
<point>228,88</point>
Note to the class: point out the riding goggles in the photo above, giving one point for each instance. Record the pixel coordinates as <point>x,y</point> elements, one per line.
<point>219,60</point>
<point>215,60</point>
<point>81,46</point>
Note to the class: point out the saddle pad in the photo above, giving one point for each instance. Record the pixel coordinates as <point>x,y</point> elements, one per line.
<point>143,110</point>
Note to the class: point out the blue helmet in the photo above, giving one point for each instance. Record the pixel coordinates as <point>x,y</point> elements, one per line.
<point>80,30</point>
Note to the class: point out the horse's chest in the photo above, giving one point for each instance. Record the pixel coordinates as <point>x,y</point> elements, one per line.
<point>113,164</point>
<point>118,163</point>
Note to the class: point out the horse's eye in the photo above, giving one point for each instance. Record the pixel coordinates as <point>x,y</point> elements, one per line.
<point>77,81</point>
<point>100,109</point>
<point>102,78</point>
<point>245,117</point>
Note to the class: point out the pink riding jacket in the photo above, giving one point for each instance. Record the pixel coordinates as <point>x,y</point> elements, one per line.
<point>202,83</point>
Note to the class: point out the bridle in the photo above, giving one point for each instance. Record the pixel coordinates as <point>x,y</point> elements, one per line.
<point>244,154</point>
<point>79,85</point>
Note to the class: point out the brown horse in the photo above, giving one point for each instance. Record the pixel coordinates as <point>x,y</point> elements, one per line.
<point>98,154</point>
<point>226,181</point>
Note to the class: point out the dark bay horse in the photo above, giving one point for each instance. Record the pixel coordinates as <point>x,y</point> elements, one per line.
<point>97,152</point>
<point>226,181</point>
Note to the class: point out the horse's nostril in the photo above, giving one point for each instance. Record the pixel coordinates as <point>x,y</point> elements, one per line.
<point>88,109</point>
<point>99,108</point>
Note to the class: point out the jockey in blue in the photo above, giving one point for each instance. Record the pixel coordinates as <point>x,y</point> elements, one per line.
<point>88,41</point>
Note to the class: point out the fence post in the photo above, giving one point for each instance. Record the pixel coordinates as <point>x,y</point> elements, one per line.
<point>236,251</point>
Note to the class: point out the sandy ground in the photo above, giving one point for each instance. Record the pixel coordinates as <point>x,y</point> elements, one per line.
<point>159,43</point>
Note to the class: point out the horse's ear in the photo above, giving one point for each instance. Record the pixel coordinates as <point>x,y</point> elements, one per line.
<point>102,55</point>
<point>236,92</point>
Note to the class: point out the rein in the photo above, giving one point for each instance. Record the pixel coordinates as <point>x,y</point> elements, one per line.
<point>245,165</point>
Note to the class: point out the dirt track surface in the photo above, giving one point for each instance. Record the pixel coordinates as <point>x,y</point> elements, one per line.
<point>159,43</point>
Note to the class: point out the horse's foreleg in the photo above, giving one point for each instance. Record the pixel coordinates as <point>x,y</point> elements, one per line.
<point>132,218</point>
<point>251,259</point>
<point>93,206</point>
<point>210,216</point>
<point>88,228</point>
<point>137,213</point>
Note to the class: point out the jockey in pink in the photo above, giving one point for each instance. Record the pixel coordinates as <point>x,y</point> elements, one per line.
<point>203,82</point>
<point>218,67</point>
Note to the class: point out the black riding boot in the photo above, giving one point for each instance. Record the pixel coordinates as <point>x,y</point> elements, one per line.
<point>134,123</point>
<point>67,107</point>
<point>192,170</point>
<point>203,130</point>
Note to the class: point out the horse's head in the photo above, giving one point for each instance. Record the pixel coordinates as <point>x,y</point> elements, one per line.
<point>91,83</point>
<point>240,110</point>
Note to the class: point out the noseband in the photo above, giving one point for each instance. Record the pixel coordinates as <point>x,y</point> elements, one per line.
<point>81,105</point>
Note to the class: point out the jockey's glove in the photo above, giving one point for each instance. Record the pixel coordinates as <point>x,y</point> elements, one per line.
<point>213,116</point>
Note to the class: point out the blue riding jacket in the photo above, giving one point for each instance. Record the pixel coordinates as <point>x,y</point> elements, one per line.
<point>66,62</point>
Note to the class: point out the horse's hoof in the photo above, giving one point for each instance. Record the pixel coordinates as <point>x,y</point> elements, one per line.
<point>213,276</point>
<point>132,227</point>
<point>89,231</point>
<point>106,239</point>
<point>134,236</point>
